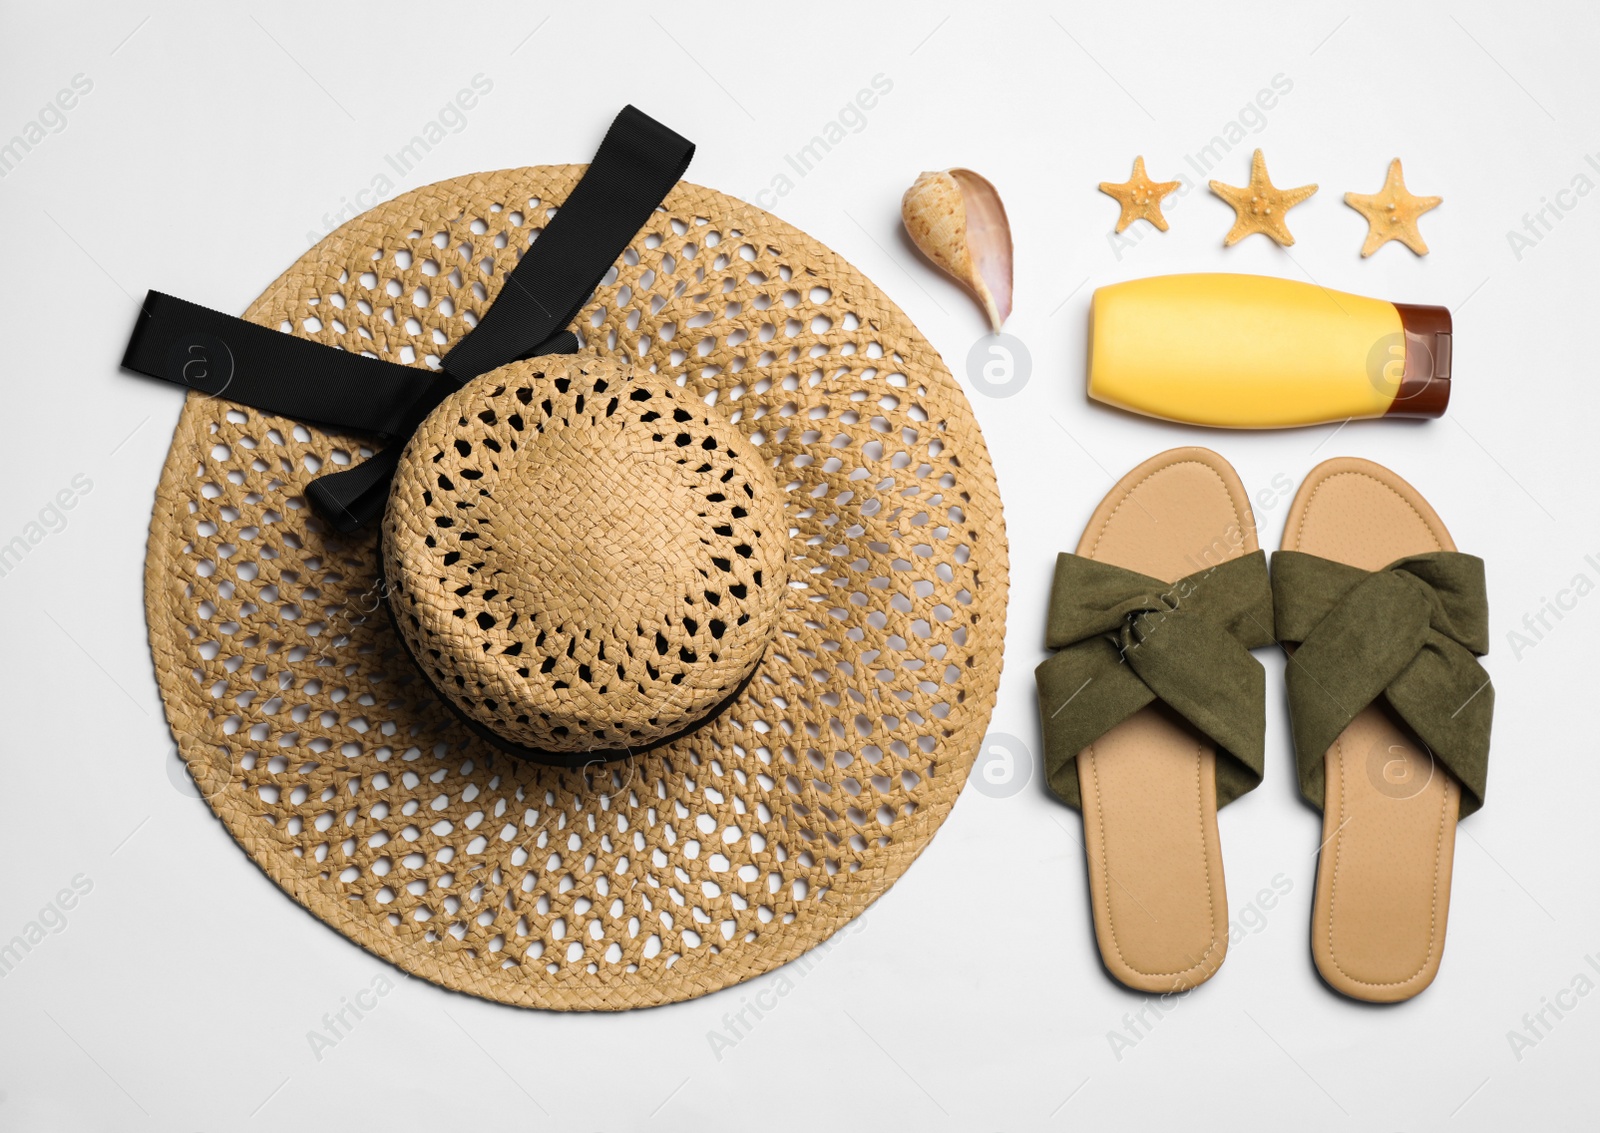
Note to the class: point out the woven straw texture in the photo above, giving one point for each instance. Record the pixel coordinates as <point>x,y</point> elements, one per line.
<point>711,859</point>
<point>583,560</point>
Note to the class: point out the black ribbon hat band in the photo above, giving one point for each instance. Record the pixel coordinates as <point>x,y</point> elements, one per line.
<point>637,164</point>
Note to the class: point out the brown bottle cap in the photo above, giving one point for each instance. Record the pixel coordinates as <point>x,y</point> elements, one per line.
<point>1425,386</point>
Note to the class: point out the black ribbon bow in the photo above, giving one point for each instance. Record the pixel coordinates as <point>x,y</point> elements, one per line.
<point>637,164</point>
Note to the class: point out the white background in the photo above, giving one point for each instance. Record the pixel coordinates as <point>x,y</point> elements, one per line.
<point>180,991</point>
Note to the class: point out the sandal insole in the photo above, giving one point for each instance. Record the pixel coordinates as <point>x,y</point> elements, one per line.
<point>1389,821</point>
<point>1148,785</point>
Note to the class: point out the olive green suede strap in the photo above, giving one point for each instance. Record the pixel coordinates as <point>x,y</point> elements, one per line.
<point>1124,640</point>
<point>1408,633</point>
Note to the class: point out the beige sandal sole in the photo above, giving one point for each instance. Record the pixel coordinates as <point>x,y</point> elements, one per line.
<point>1148,785</point>
<point>1389,822</point>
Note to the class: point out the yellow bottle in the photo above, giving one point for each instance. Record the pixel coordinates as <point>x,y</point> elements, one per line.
<point>1255,352</point>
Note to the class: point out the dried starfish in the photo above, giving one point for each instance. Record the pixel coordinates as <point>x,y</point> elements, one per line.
<point>1260,206</point>
<point>1139,197</point>
<point>1392,213</point>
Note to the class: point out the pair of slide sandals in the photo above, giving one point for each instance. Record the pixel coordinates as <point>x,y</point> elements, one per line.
<point>1153,711</point>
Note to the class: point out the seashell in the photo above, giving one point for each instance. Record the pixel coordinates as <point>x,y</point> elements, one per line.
<point>958,221</point>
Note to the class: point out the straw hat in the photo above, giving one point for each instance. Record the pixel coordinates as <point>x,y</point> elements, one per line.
<point>739,564</point>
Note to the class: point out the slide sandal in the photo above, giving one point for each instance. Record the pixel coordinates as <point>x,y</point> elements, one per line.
<point>1391,711</point>
<point>1152,710</point>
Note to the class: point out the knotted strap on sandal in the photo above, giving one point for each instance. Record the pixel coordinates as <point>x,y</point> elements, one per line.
<point>1124,640</point>
<point>1411,634</point>
<point>1152,708</point>
<point>1384,620</point>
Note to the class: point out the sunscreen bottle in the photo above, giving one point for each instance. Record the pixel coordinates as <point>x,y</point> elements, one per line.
<point>1255,352</point>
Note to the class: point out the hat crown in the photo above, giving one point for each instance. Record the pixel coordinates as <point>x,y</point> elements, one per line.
<point>583,557</point>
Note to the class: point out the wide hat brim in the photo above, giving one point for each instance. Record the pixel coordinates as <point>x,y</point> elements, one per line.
<point>658,878</point>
